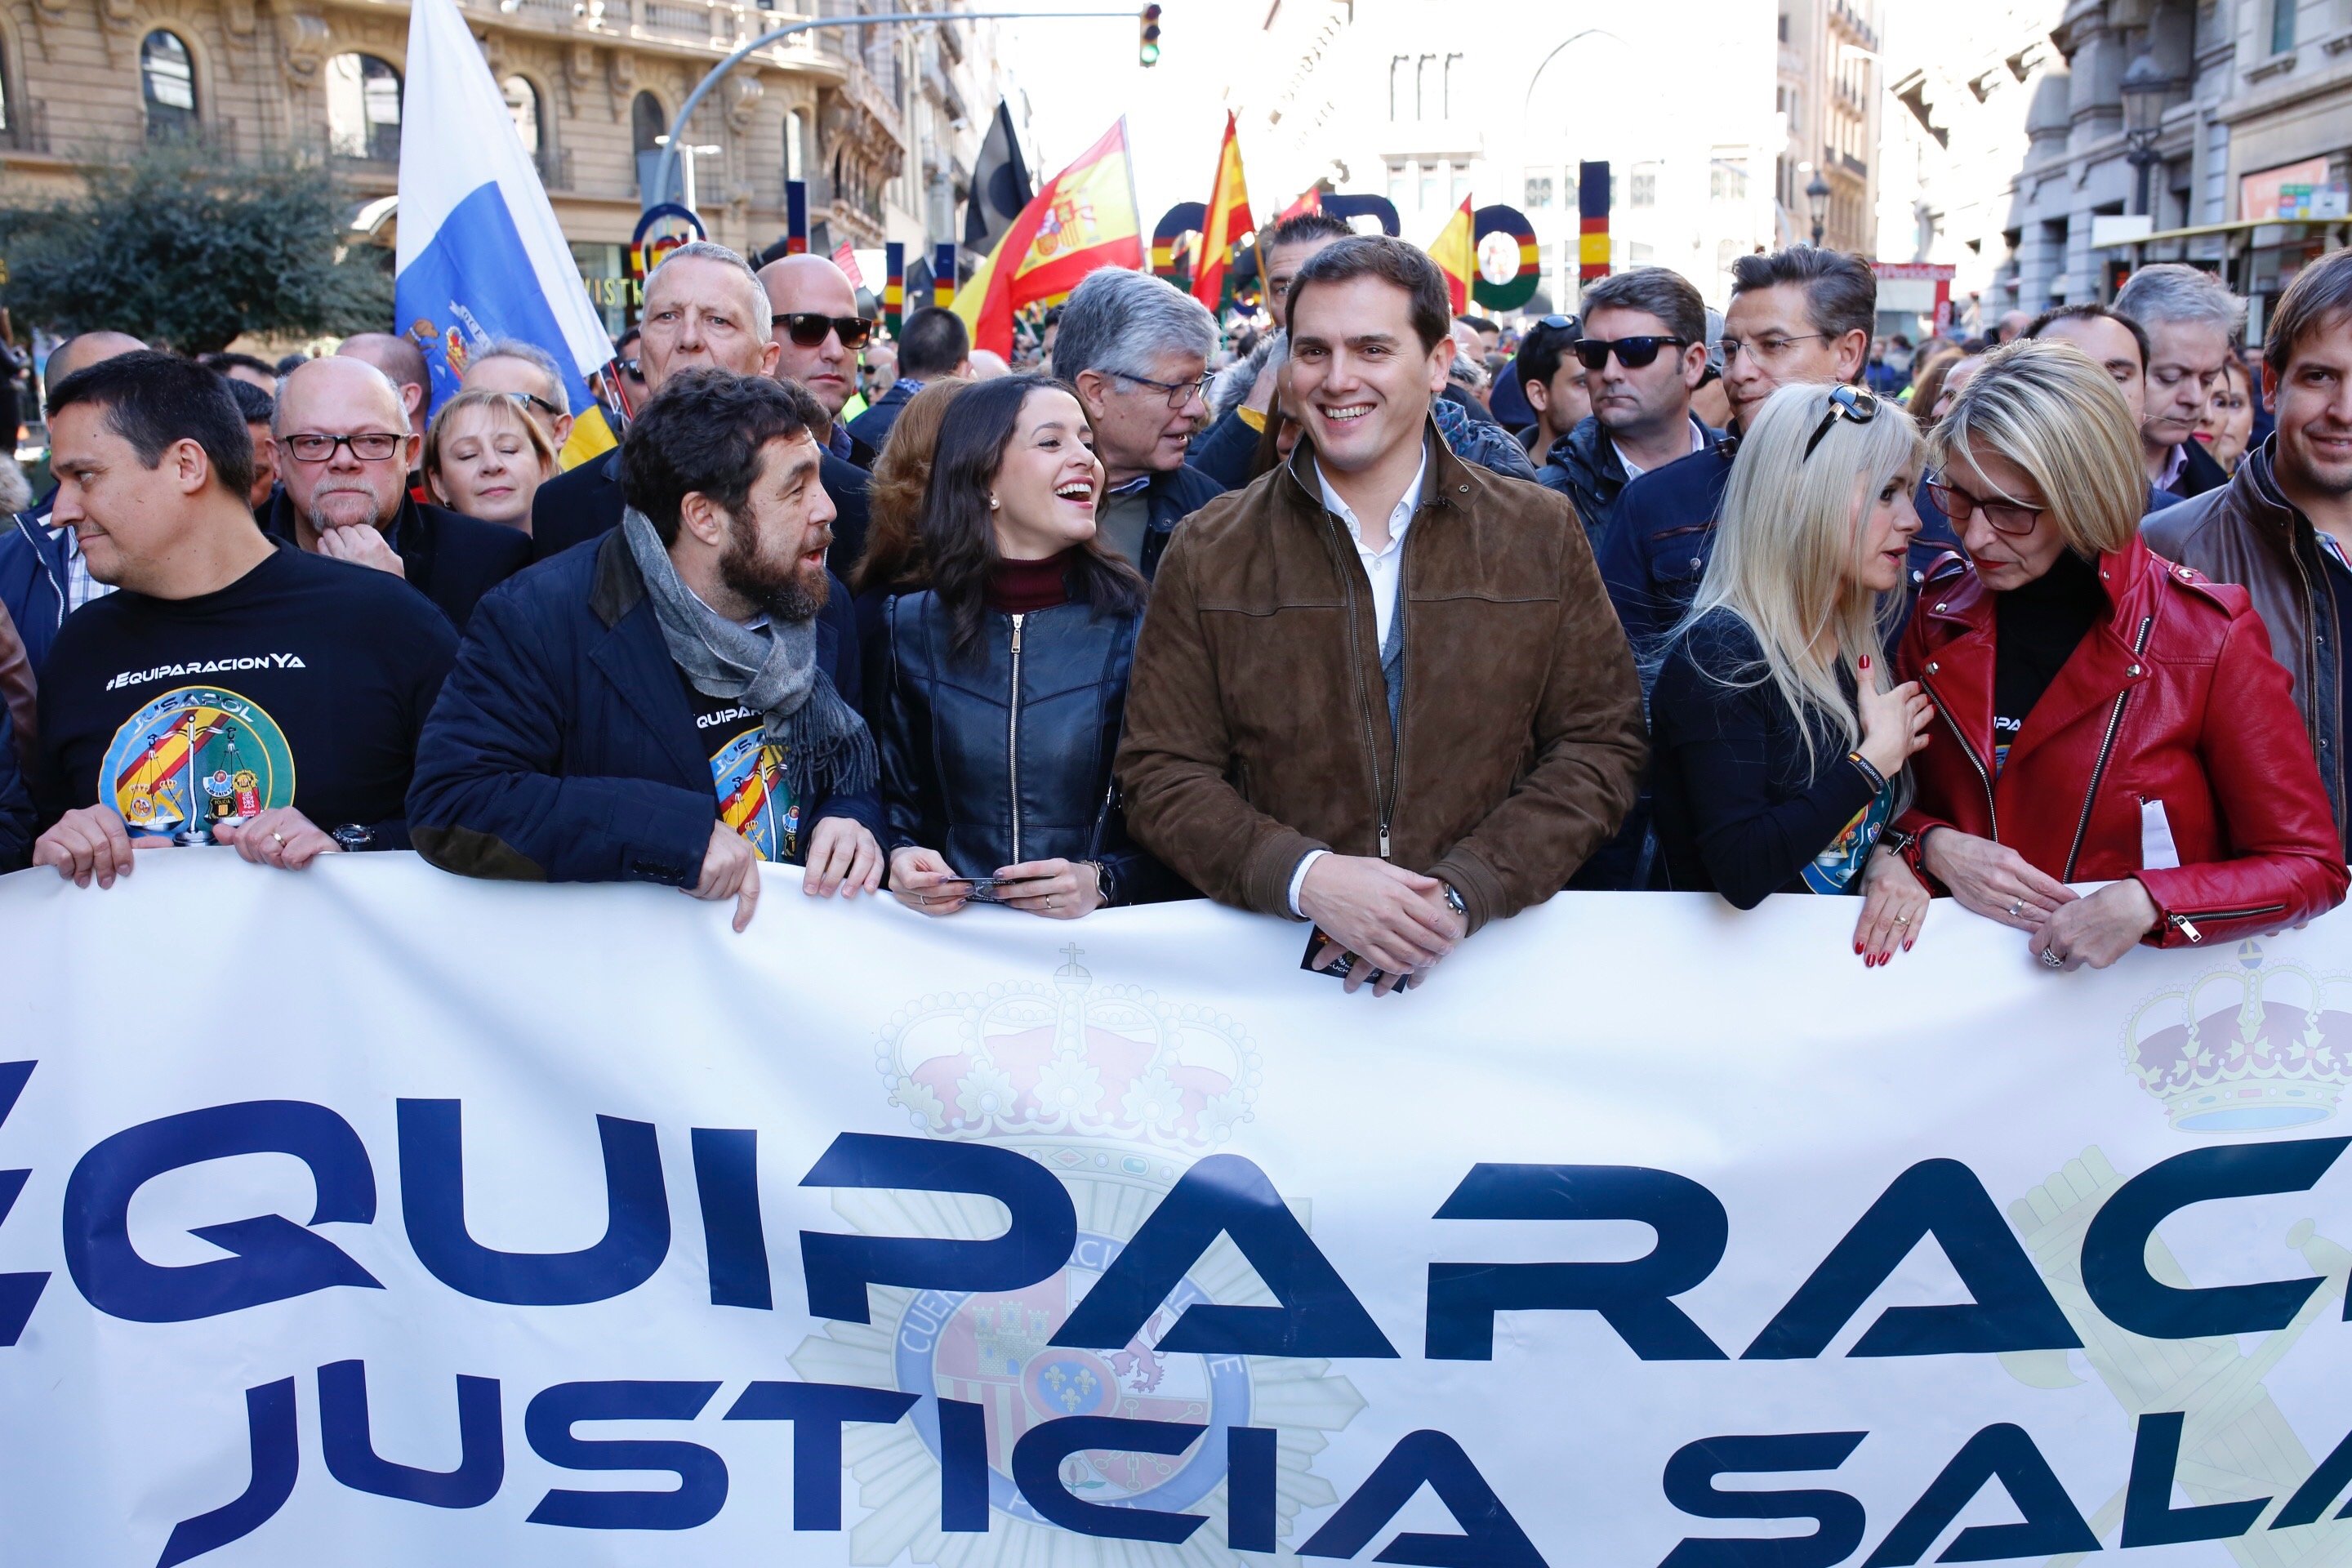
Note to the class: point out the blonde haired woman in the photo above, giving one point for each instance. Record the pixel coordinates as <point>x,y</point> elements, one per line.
<point>2106,716</point>
<point>486,455</point>
<point>1780,738</point>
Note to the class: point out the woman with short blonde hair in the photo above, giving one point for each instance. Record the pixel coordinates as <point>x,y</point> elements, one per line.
<point>1780,737</point>
<point>486,455</point>
<point>2104,716</point>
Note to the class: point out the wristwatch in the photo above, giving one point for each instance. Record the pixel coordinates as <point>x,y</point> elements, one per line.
<point>1105,885</point>
<point>1453,901</point>
<point>352,837</point>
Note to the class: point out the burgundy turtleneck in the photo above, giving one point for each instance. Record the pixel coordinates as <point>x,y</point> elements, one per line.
<point>1018,587</point>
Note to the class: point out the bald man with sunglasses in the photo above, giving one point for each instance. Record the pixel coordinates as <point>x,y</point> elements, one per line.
<point>813,318</point>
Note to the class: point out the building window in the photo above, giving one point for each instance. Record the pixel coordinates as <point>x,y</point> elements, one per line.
<point>1538,191</point>
<point>168,79</point>
<point>1727,179</point>
<point>648,122</point>
<point>796,146</point>
<point>7,121</point>
<point>362,108</point>
<point>522,103</point>
<point>2281,26</point>
<point>1461,184</point>
<point>1396,185</point>
<point>1645,187</point>
<point>1428,187</point>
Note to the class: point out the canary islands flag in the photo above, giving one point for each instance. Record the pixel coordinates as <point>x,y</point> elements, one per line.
<point>480,254</point>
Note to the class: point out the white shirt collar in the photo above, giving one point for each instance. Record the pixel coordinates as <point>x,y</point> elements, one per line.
<point>1635,471</point>
<point>1399,519</point>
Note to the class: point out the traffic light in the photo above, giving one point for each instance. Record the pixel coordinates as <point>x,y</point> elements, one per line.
<point>1147,48</point>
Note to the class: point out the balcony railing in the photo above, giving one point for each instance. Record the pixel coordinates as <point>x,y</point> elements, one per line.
<point>722,25</point>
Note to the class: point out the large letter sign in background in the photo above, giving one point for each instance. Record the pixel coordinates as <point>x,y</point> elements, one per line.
<point>373,1218</point>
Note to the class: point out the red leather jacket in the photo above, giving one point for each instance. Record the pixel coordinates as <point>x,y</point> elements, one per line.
<point>2173,702</point>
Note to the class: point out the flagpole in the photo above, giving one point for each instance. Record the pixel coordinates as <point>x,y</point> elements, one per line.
<point>665,171</point>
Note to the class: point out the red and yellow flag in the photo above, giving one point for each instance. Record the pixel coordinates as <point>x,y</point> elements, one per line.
<point>1084,217</point>
<point>1312,202</point>
<point>1456,256</point>
<point>1228,220</point>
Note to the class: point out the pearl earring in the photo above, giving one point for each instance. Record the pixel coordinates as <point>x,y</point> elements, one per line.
<point>993,503</point>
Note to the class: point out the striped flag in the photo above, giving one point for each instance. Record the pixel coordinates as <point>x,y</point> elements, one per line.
<point>1456,256</point>
<point>1085,218</point>
<point>1228,219</point>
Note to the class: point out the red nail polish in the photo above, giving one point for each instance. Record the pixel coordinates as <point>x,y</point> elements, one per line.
<point>1857,947</point>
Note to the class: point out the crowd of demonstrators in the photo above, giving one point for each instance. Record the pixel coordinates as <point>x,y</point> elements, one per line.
<point>1109,645</point>
<point>1398,745</point>
<point>1003,685</point>
<point>1644,350</point>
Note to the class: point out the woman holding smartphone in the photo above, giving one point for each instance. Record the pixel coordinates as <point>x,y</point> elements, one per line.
<point>1005,682</point>
<point>1780,736</point>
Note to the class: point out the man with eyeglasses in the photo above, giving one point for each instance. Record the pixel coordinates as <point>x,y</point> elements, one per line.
<point>1136,350</point>
<point>343,455</point>
<point>813,313</point>
<point>2116,344</point>
<point>528,374</point>
<point>705,309</point>
<point>2192,321</point>
<point>1643,352</point>
<point>233,691</point>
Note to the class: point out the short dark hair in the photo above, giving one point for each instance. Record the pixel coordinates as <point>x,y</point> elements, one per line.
<point>2090,310</point>
<point>1840,291</point>
<point>1391,261</point>
<point>1659,292</point>
<point>258,407</point>
<point>224,361</point>
<point>1543,348</point>
<point>2321,290</point>
<point>932,343</point>
<point>704,431</point>
<point>1305,227</point>
<point>1480,323</point>
<point>152,400</point>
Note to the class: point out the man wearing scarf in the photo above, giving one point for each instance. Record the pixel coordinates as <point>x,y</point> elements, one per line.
<point>678,703</point>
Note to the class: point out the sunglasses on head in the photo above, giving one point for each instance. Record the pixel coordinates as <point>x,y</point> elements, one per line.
<point>808,328</point>
<point>1846,402</point>
<point>1593,354</point>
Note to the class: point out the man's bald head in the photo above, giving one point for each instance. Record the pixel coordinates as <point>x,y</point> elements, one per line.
<point>343,397</point>
<point>402,362</point>
<point>86,349</point>
<point>813,285</point>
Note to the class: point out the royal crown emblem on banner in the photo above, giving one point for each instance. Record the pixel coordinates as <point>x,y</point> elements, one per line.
<point>2248,1045</point>
<point>1118,1092</point>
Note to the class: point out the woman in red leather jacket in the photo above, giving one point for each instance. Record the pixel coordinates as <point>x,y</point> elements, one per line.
<point>2102,715</point>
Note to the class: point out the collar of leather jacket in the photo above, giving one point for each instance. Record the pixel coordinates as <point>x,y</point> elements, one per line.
<point>1446,479</point>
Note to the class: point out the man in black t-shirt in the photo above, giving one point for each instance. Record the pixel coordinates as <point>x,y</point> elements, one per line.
<point>234,690</point>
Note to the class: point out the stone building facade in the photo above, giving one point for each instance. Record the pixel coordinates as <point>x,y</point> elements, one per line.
<point>883,122</point>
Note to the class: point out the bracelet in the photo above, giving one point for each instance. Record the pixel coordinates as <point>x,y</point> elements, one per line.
<point>1877,780</point>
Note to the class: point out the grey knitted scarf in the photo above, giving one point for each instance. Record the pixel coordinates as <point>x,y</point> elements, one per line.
<point>826,747</point>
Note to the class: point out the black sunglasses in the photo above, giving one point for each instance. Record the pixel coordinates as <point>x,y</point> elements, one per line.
<point>530,400</point>
<point>1593,354</point>
<point>808,328</point>
<point>1846,402</point>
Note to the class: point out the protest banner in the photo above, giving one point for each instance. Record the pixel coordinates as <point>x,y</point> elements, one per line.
<point>371,1216</point>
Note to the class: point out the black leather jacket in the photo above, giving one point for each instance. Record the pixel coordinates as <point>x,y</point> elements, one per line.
<point>1007,756</point>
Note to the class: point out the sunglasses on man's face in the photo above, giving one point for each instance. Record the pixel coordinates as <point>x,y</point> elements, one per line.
<point>1633,353</point>
<point>808,329</point>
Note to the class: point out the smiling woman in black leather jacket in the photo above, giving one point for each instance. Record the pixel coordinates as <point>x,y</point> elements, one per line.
<point>1005,681</point>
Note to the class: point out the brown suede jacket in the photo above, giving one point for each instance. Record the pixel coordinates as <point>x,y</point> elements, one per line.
<point>1257,724</point>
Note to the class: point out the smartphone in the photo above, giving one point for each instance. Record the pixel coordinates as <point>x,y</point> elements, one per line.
<point>1338,967</point>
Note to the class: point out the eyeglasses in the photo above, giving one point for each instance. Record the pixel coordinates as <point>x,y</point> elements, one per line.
<point>1178,393</point>
<point>1846,402</point>
<point>808,329</point>
<point>2005,517</point>
<point>368,447</point>
<point>1766,349</point>
<point>529,400</point>
<point>1593,354</point>
<point>628,367</point>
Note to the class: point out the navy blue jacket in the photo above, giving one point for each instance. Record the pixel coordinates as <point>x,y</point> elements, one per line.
<point>1175,495</point>
<point>448,557</point>
<point>584,504</point>
<point>1226,450</point>
<point>1584,467</point>
<point>33,581</point>
<point>873,426</point>
<point>16,802</point>
<point>564,748</point>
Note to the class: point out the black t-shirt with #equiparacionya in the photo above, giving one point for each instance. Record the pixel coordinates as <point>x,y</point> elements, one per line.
<point>304,683</point>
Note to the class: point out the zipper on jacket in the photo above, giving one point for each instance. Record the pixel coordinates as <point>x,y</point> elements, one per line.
<point>1013,737</point>
<point>1984,774</point>
<point>2106,747</point>
<point>2188,927</point>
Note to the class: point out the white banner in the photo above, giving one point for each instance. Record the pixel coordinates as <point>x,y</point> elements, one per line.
<point>369,1217</point>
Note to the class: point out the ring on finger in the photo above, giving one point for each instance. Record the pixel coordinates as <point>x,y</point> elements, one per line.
<point>2050,960</point>
<point>2016,907</point>
<point>1902,919</point>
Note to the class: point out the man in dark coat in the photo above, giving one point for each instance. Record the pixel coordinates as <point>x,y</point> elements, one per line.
<point>343,449</point>
<point>704,310</point>
<point>932,343</point>
<point>678,702</point>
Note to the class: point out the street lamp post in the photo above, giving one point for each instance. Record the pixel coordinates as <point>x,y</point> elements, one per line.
<point>692,153</point>
<point>1817,196</point>
<point>2145,87</point>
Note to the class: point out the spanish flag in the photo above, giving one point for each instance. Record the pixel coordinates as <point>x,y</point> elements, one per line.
<point>1084,217</point>
<point>1456,256</point>
<point>1228,219</point>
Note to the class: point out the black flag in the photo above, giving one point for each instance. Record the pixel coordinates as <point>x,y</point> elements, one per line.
<point>1000,186</point>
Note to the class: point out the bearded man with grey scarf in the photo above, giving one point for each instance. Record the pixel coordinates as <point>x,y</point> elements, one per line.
<point>678,701</point>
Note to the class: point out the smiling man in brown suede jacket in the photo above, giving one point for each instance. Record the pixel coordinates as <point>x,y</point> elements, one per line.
<point>1380,689</point>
